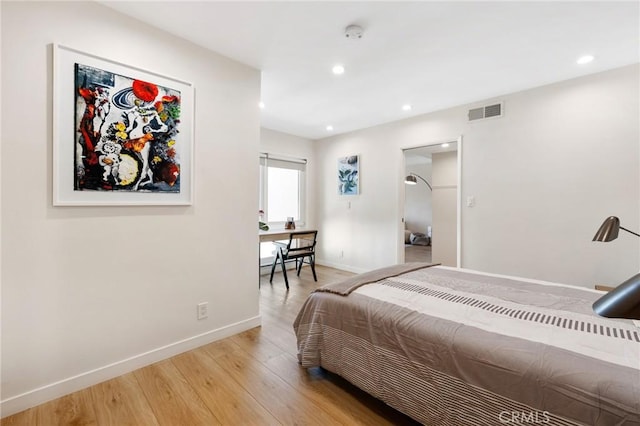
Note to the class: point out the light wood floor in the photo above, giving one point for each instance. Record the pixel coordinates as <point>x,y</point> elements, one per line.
<point>252,378</point>
<point>417,253</point>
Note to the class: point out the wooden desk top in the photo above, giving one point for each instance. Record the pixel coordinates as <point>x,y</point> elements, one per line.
<point>280,233</point>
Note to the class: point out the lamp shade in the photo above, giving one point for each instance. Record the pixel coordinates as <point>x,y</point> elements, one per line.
<point>410,180</point>
<point>608,231</point>
<point>621,302</point>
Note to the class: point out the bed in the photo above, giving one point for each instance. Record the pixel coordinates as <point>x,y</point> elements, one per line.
<point>449,346</point>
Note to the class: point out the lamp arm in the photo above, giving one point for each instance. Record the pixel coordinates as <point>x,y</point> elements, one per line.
<point>631,232</point>
<point>425,181</point>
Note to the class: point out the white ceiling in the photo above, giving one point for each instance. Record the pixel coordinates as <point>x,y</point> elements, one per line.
<point>432,55</point>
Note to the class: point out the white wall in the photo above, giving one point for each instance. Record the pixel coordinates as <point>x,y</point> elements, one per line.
<point>359,231</point>
<point>91,292</point>
<point>564,157</point>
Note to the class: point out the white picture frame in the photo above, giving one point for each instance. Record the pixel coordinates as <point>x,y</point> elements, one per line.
<point>153,162</point>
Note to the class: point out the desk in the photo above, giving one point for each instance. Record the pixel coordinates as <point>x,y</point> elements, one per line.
<point>276,235</point>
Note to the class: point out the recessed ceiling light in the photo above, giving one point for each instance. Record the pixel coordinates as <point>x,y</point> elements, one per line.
<point>338,69</point>
<point>261,105</point>
<point>445,145</point>
<point>584,59</point>
<point>406,107</point>
<point>329,128</point>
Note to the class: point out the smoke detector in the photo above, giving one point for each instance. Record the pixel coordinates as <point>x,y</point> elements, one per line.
<point>353,32</point>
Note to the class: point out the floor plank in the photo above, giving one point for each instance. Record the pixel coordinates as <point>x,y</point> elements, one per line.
<point>74,409</point>
<point>173,401</point>
<point>257,344</point>
<point>282,401</point>
<point>417,253</point>
<point>225,397</point>
<point>120,401</point>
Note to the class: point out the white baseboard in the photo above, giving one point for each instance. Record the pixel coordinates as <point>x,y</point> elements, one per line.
<point>69,385</point>
<point>341,266</point>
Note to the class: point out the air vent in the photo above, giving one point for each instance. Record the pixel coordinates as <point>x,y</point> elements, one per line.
<point>489,111</point>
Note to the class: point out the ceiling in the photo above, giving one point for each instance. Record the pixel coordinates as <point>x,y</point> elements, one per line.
<point>431,55</point>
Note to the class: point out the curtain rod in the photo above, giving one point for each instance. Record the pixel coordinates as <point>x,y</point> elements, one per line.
<point>283,158</point>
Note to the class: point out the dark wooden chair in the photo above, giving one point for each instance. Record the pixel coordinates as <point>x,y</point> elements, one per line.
<point>301,246</point>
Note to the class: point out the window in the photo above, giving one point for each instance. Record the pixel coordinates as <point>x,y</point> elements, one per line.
<point>282,189</point>
<point>282,195</point>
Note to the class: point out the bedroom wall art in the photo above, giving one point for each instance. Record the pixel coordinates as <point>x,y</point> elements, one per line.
<point>122,135</point>
<point>349,175</point>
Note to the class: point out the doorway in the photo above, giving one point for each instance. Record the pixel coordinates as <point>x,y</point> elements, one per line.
<point>430,210</point>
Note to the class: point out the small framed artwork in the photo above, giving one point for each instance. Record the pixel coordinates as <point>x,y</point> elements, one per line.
<point>349,175</point>
<point>122,135</point>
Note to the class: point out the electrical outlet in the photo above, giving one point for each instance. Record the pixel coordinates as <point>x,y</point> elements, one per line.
<point>203,310</point>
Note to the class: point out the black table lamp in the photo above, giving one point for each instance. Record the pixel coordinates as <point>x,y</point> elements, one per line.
<point>624,300</point>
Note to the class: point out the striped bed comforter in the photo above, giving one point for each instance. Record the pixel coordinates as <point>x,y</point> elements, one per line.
<point>456,347</point>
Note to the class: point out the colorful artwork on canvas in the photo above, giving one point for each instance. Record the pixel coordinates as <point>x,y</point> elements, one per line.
<point>127,135</point>
<point>348,175</point>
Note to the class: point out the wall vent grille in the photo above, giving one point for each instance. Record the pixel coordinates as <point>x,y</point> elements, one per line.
<point>489,111</point>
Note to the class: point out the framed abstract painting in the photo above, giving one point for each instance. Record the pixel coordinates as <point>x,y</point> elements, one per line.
<point>121,135</point>
<point>349,175</point>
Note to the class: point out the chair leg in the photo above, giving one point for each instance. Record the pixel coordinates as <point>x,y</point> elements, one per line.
<point>284,271</point>
<point>299,265</point>
<point>273,266</point>
<point>313,266</point>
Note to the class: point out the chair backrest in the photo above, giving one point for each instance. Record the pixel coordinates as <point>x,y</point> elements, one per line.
<point>301,242</point>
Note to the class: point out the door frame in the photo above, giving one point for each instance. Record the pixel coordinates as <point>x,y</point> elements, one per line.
<point>402,197</point>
